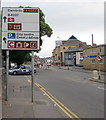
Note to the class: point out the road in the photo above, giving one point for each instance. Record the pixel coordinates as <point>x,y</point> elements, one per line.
<point>85,98</point>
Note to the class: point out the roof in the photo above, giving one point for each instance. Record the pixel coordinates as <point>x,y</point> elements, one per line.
<point>95,46</point>
<point>73,42</point>
<point>72,37</point>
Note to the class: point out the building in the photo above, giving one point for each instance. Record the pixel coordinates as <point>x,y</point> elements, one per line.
<point>74,57</point>
<point>58,53</point>
<point>90,57</point>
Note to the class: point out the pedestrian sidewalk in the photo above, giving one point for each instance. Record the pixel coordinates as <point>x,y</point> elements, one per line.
<point>80,69</point>
<point>19,104</point>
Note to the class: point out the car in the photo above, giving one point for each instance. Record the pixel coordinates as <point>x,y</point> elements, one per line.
<point>23,69</point>
<point>48,64</point>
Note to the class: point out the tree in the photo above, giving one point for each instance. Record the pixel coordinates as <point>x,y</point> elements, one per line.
<point>20,57</point>
<point>44,27</point>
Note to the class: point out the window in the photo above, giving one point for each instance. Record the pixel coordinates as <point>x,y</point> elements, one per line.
<point>81,55</point>
<point>93,61</point>
<point>69,56</point>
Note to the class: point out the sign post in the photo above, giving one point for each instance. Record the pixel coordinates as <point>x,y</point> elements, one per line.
<point>32,72</point>
<point>20,31</point>
<point>99,58</point>
<point>7,76</point>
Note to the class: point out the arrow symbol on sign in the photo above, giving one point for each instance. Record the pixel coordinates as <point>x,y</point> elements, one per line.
<point>4,39</point>
<point>26,45</point>
<point>4,18</point>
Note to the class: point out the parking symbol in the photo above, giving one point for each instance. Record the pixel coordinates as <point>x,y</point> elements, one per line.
<point>11,35</point>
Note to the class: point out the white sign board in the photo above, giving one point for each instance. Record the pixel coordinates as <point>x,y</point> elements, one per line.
<point>20,26</point>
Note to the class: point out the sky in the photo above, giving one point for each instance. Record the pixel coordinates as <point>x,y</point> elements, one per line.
<point>80,18</point>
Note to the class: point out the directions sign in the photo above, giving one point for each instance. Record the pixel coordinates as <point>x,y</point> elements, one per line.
<point>14,26</point>
<point>22,44</point>
<point>20,28</point>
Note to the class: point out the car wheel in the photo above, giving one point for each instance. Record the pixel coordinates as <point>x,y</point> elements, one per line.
<point>14,72</point>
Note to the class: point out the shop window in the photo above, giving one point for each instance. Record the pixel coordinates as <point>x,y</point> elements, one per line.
<point>81,55</point>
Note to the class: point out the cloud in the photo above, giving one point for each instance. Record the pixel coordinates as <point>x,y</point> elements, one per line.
<point>67,17</point>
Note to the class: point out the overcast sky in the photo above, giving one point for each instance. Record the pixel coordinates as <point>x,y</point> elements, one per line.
<point>80,18</point>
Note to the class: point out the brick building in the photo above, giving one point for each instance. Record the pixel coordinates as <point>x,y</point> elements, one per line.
<point>58,53</point>
<point>90,62</point>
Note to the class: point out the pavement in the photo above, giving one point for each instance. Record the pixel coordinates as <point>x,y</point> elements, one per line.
<point>80,69</point>
<point>19,101</point>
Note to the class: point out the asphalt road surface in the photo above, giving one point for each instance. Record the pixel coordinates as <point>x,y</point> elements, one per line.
<point>85,98</point>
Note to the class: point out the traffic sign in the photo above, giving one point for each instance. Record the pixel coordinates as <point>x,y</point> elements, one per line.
<point>10,19</point>
<point>14,26</point>
<point>22,44</point>
<point>98,57</point>
<point>18,31</point>
<point>11,35</point>
<point>21,35</point>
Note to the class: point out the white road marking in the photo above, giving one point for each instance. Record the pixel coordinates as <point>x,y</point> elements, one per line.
<point>28,79</point>
<point>101,88</point>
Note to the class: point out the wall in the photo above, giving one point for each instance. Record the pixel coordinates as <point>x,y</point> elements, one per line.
<point>90,61</point>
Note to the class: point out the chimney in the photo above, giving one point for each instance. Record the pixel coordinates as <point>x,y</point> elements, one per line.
<point>92,39</point>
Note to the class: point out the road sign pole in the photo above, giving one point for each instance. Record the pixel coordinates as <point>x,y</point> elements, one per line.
<point>99,70</point>
<point>7,76</point>
<point>32,73</point>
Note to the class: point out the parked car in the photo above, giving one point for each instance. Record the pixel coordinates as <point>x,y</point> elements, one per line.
<point>24,69</point>
<point>48,64</point>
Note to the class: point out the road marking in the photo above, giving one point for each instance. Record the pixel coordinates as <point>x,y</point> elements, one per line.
<point>28,79</point>
<point>68,112</point>
<point>101,88</point>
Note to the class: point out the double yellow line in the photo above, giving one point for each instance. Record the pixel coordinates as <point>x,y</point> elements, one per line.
<point>68,112</point>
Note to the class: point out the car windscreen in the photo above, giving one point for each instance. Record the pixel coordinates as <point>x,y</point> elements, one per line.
<point>27,67</point>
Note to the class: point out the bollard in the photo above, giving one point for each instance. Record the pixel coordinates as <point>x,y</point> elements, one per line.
<point>95,74</point>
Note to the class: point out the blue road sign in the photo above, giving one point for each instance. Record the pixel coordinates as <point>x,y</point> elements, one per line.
<point>11,35</point>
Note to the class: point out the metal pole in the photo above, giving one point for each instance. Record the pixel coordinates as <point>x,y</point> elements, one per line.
<point>99,71</point>
<point>32,73</point>
<point>7,69</point>
<point>68,63</point>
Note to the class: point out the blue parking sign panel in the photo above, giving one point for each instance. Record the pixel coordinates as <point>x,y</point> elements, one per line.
<point>11,35</point>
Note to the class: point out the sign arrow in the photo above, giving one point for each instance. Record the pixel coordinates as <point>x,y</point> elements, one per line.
<point>4,39</point>
<point>4,18</point>
<point>26,44</point>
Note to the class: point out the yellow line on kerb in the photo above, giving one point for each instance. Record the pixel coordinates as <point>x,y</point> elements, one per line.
<point>57,102</point>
